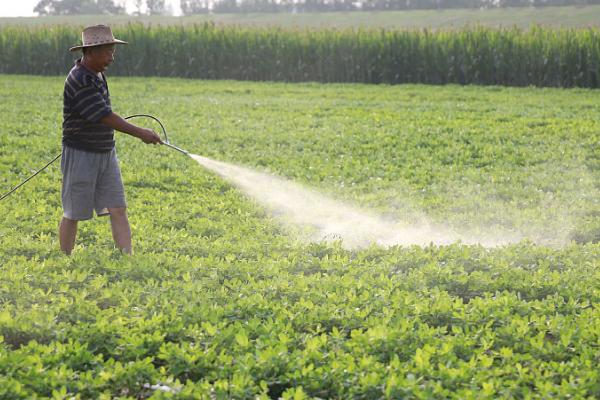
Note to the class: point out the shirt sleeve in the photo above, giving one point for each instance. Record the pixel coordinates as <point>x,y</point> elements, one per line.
<point>90,103</point>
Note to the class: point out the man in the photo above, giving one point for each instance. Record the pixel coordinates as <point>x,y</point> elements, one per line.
<point>90,168</point>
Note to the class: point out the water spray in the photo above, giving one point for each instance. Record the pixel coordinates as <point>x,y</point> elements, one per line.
<point>327,219</point>
<point>163,142</point>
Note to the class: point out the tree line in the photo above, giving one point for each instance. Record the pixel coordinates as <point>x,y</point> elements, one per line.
<point>242,6</point>
<point>190,7</point>
<point>90,7</point>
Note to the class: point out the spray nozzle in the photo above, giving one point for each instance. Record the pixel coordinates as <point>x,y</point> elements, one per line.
<point>166,143</point>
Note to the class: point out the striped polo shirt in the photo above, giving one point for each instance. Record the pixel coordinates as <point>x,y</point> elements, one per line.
<point>86,101</point>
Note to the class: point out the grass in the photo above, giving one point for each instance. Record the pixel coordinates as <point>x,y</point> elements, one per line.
<point>570,17</point>
<point>220,301</point>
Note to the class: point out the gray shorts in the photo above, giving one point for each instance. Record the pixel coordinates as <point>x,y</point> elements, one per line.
<point>91,181</point>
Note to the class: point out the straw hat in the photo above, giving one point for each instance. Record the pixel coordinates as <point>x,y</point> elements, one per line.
<point>97,36</point>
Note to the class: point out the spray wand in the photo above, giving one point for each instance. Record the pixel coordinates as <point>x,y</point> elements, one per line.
<point>166,141</point>
<point>163,142</point>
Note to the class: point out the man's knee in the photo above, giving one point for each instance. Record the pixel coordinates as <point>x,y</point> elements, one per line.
<point>68,222</point>
<point>119,213</point>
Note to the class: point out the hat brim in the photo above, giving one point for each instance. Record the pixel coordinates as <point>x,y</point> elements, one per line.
<point>116,41</point>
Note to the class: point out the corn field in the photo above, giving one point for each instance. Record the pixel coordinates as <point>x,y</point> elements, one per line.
<point>487,56</point>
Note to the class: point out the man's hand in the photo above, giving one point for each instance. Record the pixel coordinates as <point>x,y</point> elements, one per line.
<point>148,136</point>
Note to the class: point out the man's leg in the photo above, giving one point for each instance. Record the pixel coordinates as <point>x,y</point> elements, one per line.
<point>120,229</point>
<point>67,231</point>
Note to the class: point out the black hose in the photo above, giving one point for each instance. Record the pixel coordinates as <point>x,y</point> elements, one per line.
<point>154,118</point>
<point>58,156</point>
<point>28,179</point>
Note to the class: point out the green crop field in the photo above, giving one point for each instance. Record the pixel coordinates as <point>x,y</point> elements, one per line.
<point>543,57</point>
<point>569,17</point>
<point>221,301</point>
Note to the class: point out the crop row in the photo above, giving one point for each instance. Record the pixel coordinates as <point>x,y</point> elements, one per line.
<point>538,56</point>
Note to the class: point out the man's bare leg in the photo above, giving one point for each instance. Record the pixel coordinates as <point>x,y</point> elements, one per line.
<point>67,231</point>
<point>120,229</point>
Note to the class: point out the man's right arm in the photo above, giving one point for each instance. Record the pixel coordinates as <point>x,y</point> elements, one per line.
<point>116,122</point>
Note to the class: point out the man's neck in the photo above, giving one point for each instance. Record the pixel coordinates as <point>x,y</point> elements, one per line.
<point>86,64</point>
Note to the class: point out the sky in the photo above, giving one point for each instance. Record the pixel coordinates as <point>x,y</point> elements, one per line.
<point>24,8</point>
